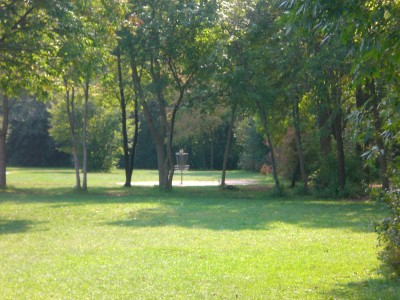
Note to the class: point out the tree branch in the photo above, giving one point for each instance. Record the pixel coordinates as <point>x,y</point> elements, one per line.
<point>15,26</point>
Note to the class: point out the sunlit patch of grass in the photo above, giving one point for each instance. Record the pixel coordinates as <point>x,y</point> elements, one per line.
<point>201,243</point>
<point>65,178</point>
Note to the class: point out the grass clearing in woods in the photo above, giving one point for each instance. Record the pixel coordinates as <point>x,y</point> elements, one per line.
<point>192,242</point>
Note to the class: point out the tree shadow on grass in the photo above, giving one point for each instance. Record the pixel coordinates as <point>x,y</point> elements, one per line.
<point>16,226</point>
<point>252,214</point>
<point>210,208</point>
<point>369,289</point>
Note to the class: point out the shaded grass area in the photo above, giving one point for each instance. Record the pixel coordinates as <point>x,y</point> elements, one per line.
<point>199,243</point>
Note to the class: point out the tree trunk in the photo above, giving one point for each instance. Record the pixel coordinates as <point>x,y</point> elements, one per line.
<point>295,174</point>
<point>273,160</point>
<point>338,128</point>
<point>70,105</point>
<point>378,134</point>
<point>122,102</point>
<point>212,153</point>
<point>228,145</point>
<point>169,160</point>
<point>135,138</point>
<point>296,122</point>
<point>3,137</point>
<point>163,179</point>
<point>84,136</point>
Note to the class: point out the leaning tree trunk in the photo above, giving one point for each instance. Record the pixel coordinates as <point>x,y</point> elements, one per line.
<point>273,160</point>
<point>70,105</point>
<point>228,146</point>
<point>3,136</point>
<point>296,122</point>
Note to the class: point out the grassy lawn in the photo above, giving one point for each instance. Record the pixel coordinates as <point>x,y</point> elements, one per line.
<point>193,242</point>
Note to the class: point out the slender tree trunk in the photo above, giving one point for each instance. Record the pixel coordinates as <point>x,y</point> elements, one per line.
<point>169,162</point>
<point>123,104</point>
<point>129,154</point>
<point>378,134</point>
<point>3,137</point>
<point>3,158</point>
<point>70,105</point>
<point>212,153</point>
<point>228,146</point>
<point>84,136</point>
<point>135,137</point>
<point>296,122</point>
<point>273,160</point>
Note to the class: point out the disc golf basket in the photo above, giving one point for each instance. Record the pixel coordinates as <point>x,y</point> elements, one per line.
<point>181,160</point>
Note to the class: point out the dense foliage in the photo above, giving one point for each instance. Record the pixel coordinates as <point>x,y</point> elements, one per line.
<point>29,142</point>
<point>389,232</point>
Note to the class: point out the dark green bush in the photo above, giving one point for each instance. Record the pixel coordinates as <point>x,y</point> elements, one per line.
<point>325,178</point>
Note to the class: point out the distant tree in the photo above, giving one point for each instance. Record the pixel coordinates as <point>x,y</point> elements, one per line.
<point>28,39</point>
<point>82,54</point>
<point>169,46</point>
<point>102,126</point>
<point>120,84</point>
<point>29,143</point>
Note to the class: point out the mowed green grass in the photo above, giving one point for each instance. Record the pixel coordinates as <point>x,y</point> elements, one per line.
<point>190,243</point>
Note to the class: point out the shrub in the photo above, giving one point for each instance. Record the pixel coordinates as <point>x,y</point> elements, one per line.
<point>325,178</point>
<point>389,231</point>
